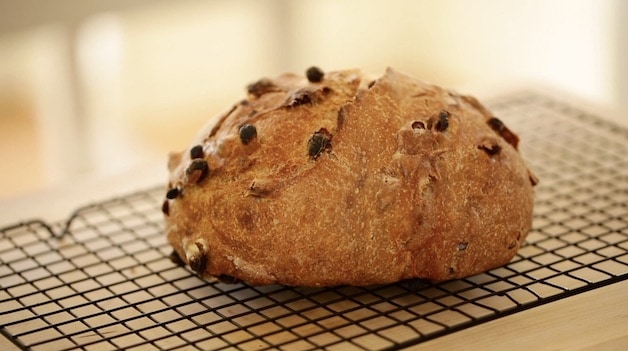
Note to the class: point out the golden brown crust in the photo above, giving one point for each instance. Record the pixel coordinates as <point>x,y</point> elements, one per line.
<point>349,181</point>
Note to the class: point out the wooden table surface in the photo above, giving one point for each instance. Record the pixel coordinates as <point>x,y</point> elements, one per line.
<point>593,320</point>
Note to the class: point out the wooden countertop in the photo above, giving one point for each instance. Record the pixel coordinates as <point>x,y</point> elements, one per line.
<point>593,320</point>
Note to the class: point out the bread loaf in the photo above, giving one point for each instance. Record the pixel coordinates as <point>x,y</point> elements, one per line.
<point>335,178</point>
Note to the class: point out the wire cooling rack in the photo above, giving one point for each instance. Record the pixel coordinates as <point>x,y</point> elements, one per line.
<point>108,282</point>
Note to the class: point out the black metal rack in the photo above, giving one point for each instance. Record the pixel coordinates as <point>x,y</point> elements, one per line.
<point>108,282</point>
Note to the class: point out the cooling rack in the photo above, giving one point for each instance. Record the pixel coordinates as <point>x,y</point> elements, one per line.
<point>103,280</point>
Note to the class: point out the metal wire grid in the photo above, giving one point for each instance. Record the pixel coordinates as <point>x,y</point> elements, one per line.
<point>108,283</point>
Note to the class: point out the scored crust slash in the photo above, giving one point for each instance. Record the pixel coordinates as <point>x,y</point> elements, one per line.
<point>334,178</point>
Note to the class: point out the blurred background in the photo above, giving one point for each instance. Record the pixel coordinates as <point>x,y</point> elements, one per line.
<point>99,87</point>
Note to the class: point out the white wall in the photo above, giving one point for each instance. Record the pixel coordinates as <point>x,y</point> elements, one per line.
<point>567,43</point>
<point>137,78</point>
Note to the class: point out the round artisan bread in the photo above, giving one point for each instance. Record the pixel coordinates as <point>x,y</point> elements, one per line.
<point>336,178</point>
